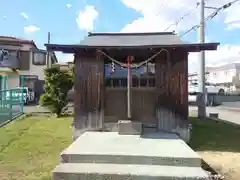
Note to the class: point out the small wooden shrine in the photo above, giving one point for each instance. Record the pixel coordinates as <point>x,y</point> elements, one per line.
<point>159,100</point>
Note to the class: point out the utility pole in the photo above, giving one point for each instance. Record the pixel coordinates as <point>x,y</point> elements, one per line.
<point>201,79</point>
<point>48,54</point>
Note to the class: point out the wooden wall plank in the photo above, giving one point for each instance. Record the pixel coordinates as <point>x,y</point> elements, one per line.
<point>172,90</point>
<point>89,92</point>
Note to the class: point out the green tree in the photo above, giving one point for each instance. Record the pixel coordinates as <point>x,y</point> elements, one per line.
<point>57,85</point>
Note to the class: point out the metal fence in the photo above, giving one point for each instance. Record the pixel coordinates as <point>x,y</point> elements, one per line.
<point>11,104</point>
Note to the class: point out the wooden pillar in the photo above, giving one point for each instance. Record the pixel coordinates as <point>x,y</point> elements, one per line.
<point>184,86</point>
<point>179,85</point>
<point>178,88</point>
<point>172,93</point>
<point>162,91</point>
<point>89,93</point>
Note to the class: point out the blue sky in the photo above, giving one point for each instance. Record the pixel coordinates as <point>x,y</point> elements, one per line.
<point>70,20</point>
<point>54,16</point>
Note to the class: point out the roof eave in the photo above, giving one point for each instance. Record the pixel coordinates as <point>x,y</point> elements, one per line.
<point>190,47</point>
<point>203,47</point>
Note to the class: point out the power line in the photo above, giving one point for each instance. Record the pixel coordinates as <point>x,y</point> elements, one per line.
<point>177,22</point>
<point>211,16</point>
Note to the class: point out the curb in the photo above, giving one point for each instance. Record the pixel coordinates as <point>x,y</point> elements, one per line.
<point>224,121</point>
<point>40,113</point>
<point>16,118</point>
<point>236,109</point>
<point>24,115</point>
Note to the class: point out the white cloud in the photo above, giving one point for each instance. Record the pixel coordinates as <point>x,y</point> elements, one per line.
<point>24,15</point>
<point>31,29</point>
<point>68,5</point>
<point>234,25</point>
<point>86,18</point>
<point>157,15</point>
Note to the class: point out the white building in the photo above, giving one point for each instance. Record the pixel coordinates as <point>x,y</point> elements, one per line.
<point>193,77</point>
<point>226,74</point>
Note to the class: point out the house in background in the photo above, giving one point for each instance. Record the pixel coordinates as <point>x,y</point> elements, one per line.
<point>226,74</point>
<point>22,58</point>
<point>193,77</point>
<point>64,66</point>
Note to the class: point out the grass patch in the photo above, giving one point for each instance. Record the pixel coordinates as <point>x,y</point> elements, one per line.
<point>30,147</point>
<point>210,135</point>
<point>218,145</point>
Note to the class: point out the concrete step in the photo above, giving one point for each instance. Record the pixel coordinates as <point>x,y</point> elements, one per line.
<point>128,159</point>
<point>160,149</point>
<point>85,171</point>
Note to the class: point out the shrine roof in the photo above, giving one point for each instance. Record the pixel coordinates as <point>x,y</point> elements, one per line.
<point>131,41</point>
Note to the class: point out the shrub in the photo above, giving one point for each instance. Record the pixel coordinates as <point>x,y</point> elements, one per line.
<point>57,85</point>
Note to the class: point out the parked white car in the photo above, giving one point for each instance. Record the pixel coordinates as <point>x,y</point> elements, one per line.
<point>211,88</point>
<point>28,94</point>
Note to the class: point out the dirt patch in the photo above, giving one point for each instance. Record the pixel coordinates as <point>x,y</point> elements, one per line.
<point>226,163</point>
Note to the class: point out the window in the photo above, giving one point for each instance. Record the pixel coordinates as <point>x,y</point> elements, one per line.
<point>123,82</point>
<point>226,73</point>
<point>136,82</point>
<point>143,82</point>
<point>152,82</point>
<point>13,53</point>
<point>39,58</point>
<point>115,82</point>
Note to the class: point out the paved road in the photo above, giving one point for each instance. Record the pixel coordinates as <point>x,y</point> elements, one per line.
<point>34,109</point>
<point>37,108</point>
<point>231,114</point>
<point>230,104</point>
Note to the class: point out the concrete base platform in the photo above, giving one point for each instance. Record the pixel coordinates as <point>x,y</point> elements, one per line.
<point>152,148</point>
<point>73,171</point>
<point>150,156</point>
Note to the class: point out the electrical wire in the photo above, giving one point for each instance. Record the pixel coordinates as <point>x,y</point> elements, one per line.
<point>211,16</point>
<point>180,19</point>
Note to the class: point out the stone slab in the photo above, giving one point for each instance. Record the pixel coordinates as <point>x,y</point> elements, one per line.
<point>74,171</point>
<point>151,148</point>
<point>126,127</point>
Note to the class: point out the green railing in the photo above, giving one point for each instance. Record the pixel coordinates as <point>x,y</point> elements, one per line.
<point>11,102</point>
